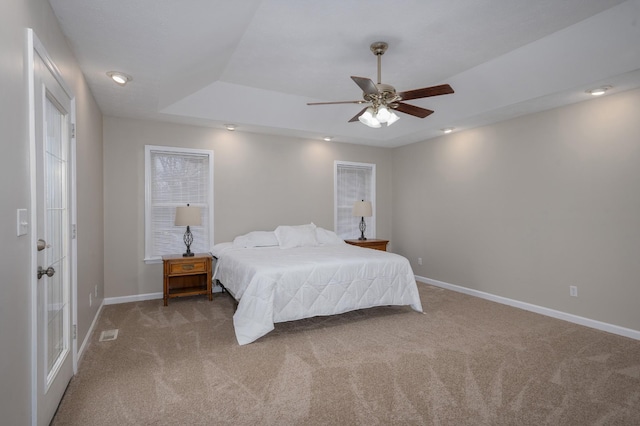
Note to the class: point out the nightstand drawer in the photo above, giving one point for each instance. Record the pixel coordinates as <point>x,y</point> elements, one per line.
<point>196,267</point>
<point>187,276</point>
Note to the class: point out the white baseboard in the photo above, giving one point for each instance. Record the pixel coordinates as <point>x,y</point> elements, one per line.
<point>87,337</point>
<point>598,325</point>
<point>133,298</point>
<point>142,297</point>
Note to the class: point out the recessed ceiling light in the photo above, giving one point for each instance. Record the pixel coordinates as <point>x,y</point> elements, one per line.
<point>598,91</point>
<point>119,77</point>
<point>327,138</point>
<point>447,130</point>
<point>230,127</point>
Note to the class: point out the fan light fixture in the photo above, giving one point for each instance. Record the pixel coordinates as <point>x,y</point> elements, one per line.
<point>230,127</point>
<point>119,77</point>
<point>375,119</point>
<point>368,118</point>
<point>392,118</point>
<point>327,138</point>
<point>447,130</point>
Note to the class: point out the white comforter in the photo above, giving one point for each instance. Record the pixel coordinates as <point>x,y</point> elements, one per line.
<point>275,285</point>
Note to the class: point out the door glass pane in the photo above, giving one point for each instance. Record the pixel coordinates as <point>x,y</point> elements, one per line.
<point>57,316</point>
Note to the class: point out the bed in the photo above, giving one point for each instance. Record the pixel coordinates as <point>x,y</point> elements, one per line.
<point>303,271</point>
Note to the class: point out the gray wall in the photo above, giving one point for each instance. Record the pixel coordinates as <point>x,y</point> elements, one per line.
<point>260,182</point>
<point>521,209</point>
<point>524,208</point>
<point>15,254</point>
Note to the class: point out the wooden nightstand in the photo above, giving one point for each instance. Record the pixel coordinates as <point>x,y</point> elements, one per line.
<point>186,276</point>
<point>369,243</point>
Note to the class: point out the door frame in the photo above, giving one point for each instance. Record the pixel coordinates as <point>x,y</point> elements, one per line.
<point>33,46</point>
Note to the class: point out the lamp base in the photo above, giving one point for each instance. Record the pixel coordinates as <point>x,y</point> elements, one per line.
<point>363,226</point>
<point>188,239</point>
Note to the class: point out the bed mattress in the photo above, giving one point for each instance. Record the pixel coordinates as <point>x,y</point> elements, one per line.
<point>273,285</point>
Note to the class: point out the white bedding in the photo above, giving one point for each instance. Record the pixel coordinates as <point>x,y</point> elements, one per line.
<point>273,284</point>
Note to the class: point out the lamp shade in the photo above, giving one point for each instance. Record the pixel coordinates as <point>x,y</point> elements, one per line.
<point>383,114</point>
<point>188,216</point>
<point>362,209</point>
<point>393,117</point>
<point>368,118</point>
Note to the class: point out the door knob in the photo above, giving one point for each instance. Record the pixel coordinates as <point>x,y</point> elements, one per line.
<point>42,244</point>
<point>48,272</point>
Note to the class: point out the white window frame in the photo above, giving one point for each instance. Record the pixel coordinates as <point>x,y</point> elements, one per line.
<point>149,257</point>
<point>370,221</point>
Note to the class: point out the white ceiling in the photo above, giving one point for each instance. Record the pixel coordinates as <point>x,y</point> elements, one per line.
<point>256,63</point>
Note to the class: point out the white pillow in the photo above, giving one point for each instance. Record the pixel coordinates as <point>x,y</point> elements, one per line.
<point>327,238</point>
<point>256,239</point>
<point>296,236</point>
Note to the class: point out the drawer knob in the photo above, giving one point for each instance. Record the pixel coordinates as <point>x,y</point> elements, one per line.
<point>187,267</point>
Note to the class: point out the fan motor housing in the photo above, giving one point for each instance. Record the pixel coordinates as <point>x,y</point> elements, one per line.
<point>386,92</point>
<point>385,88</point>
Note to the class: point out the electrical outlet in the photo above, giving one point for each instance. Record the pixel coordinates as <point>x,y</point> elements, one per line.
<point>90,299</point>
<point>95,291</point>
<point>419,261</point>
<point>573,291</point>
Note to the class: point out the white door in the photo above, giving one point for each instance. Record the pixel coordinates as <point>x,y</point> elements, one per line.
<point>54,359</point>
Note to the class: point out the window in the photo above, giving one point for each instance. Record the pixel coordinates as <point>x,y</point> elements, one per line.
<point>176,177</point>
<point>353,182</point>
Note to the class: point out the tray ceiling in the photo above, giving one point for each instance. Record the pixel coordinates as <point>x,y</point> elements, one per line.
<point>257,63</point>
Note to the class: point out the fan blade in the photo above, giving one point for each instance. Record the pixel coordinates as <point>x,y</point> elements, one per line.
<point>339,102</point>
<point>355,117</point>
<point>413,110</point>
<point>366,84</point>
<point>426,92</point>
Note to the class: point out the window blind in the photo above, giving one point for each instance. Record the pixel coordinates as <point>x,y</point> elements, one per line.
<point>177,177</point>
<point>353,182</point>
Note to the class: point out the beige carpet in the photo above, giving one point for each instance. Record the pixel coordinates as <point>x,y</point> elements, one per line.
<point>466,361</point>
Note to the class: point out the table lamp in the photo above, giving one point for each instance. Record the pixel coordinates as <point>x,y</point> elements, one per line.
<point>362,209</point>
<point>188,216</point>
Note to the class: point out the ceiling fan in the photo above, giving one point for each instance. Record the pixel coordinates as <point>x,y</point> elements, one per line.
<point>384,99</point>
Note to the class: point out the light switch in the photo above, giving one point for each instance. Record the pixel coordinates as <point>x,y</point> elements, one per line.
<point>23,223</point>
